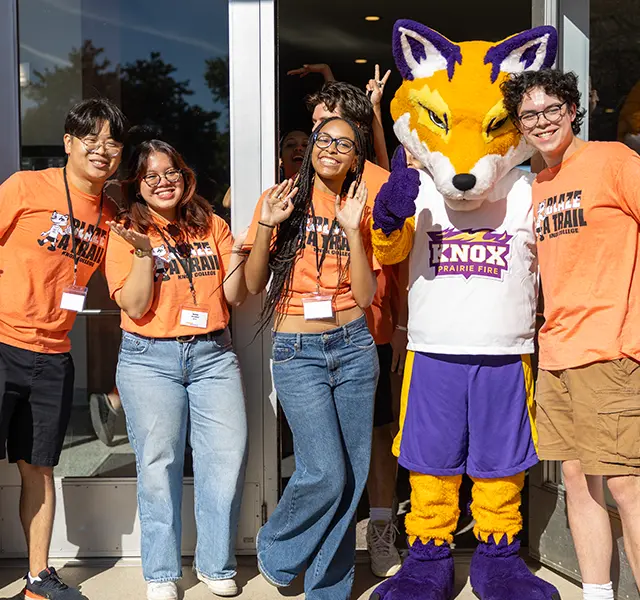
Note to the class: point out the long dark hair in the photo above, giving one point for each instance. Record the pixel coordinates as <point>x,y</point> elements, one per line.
<point>193,213</point>
<point>290,238</point>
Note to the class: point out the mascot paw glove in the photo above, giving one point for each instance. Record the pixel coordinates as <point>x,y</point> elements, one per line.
<point>395,202</point>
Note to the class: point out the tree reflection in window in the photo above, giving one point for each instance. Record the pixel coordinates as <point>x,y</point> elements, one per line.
<point>155,102</point>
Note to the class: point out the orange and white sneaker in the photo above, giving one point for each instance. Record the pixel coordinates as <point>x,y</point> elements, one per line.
<point>49,586</point>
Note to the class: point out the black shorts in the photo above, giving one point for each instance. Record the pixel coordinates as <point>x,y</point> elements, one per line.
<point>36,393</point>
<point>383,410</point>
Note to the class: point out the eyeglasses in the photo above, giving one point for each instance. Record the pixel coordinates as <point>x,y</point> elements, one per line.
<point>92,145</point>
<point>553,114</point>
<point>324,141</point>
<point>153,180</point>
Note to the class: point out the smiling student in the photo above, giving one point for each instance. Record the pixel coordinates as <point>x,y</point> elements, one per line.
<point>311,240</point>
<point>587,203</point>
<point>172,267</point>
<point>52,238</point>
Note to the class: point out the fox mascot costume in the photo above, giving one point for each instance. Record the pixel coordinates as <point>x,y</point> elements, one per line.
<point>465,219</point>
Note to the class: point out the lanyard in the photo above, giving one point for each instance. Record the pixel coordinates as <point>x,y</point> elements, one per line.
<point>186,264</point>
<point>325,247</point>
<point>74,243</point>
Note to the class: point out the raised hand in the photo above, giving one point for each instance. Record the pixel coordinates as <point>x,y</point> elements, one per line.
<point>278,203</point>
<point>349,214</point>
<point>322,68</point>
<point>375,87</point>
<point>139,241</point>
<point>395,202</point>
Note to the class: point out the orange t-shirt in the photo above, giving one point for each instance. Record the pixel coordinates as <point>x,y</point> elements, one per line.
<point>36,260</point>
<point>210,263</point>
<point>336,260</point>
<point>380,319</point>
<point>587,212</point>
<point>380,316</point>
<point>375,177</point>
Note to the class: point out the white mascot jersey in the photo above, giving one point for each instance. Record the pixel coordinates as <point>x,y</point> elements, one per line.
<point>473,275</point>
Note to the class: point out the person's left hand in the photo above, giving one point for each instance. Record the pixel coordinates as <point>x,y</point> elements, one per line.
<point>376,86</point>
<point>322,68</point>
<point>349,215</point>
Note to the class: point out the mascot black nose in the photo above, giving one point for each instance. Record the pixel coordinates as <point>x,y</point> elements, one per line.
<point>464,181</point>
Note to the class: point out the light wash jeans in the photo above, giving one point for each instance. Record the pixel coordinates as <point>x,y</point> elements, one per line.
<point>326,385</point>
<point>165,386</point>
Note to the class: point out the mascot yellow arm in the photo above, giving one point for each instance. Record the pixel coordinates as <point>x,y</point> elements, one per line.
<point>393,249</point>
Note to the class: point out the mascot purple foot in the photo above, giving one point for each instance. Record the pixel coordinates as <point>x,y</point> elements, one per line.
<point>427,574</point>
<point>498,573</point>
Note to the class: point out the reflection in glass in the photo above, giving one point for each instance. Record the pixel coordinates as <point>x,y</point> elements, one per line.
<point>615,72</point>
<point>170,76</point>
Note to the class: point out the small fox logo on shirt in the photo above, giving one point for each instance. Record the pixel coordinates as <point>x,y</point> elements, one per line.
<point>60,227</point>
<point>161,261</point>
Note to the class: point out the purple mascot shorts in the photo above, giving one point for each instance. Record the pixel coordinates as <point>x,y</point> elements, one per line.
<point>467,414</point>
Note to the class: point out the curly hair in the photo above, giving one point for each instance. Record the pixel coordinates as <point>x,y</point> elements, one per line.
<point>290,237</point>
<point>554,82</point>
<point>193,214</point>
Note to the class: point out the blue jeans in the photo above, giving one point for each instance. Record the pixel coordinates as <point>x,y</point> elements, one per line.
<point>166,385</point>
<point>326,385</point>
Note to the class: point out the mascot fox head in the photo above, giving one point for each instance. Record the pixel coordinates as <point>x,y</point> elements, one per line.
<point>448,112</point>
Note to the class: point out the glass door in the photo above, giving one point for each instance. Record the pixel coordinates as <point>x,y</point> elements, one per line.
<point>168,68</point>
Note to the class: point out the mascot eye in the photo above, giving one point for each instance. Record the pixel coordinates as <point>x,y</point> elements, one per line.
<point>442,123</point>
<point>495,125</point>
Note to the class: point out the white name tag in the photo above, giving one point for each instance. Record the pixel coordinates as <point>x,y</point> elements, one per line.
<point>73,298</point>
<point>193,317</point>
<point>317,307</point>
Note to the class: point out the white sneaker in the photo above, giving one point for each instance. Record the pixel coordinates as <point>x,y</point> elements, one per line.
<point>165,590</point>
<point>381,544</point>
<point>219,587</point>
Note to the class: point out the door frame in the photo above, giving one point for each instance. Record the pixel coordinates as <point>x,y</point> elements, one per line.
<point>83,502</point>
<point>9,90</point>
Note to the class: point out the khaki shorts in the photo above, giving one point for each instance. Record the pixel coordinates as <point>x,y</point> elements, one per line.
<point>591,414</point>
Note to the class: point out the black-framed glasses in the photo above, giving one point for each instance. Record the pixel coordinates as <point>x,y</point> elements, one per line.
<point>552,113</point>
<point>92,145</point>
<point>324,140</point>
<point>172,176</point>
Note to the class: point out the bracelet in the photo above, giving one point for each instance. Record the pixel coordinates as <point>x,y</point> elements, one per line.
<point>141,253</point>
<point>265,225</point>
<point>401,328</point>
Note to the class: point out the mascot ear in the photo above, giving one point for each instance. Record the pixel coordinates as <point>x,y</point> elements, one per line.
<point>421,52</point>
<point>530,50</point>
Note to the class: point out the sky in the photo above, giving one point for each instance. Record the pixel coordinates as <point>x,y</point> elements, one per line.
<point>186,33</point>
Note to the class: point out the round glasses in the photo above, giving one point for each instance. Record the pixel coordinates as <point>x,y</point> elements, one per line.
<point>92,145</point>
<point>553,114</point>
<point>153,180</point>
<point>343,145</point>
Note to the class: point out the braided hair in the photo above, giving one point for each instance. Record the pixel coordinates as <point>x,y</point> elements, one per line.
<point>290,238</point>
